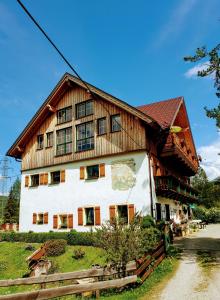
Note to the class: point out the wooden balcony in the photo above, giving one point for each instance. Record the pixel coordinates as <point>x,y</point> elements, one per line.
<point>179,155</point>
<point>171,187</point>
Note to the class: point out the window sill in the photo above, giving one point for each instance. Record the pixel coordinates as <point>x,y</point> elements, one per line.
<point>78,118</point>
<point>39,149</point>
<point>101,134</point>
<point>58,124</point>
<point>79,151</point>
<point>33,186</point>
<point>92,178</point>
<point>58,155</point>
<point>54,183</point>
<point>48,147</point>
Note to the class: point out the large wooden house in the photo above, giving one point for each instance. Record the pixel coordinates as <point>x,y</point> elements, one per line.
<point>87,157</point>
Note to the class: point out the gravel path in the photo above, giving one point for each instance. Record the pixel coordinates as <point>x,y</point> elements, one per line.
<point>192,281</point>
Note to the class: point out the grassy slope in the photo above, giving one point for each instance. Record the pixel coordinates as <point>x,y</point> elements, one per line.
<point>13,264</point>
<point>13,255</point>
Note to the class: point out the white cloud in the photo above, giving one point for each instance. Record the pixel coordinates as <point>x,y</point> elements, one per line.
<point>193,72</point>
<point>176,22</point>
<point>211,158</point>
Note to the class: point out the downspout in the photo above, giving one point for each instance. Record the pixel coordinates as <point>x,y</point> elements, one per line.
<point>150,183</point>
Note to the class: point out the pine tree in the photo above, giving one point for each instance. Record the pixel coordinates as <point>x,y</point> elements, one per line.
<point>212,67</point>
<point>11,211</point>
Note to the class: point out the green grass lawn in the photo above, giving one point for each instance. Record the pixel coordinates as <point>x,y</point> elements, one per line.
<point>13,263</point>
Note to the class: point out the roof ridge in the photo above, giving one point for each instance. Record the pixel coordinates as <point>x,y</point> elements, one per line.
<point>179,98</point>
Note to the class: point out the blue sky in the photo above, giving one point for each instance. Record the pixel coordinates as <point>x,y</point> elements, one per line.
<point>131,49</point>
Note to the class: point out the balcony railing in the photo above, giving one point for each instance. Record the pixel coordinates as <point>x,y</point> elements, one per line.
<point>177,147</point>
<point>171,187</point>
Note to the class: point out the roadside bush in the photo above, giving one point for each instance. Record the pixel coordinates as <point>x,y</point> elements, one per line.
<point>73,237</point>
<point>209,215</point>
<point>151,236</point>
<point>78,253</point>
<point>147,221</point>
<point>55,247</point>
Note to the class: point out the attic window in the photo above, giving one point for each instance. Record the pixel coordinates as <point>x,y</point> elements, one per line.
<point>84,109</point>
<point>40,141</point>
<point>115,123</point>
<point>64,115</point>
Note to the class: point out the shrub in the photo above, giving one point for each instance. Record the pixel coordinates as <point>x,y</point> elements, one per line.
<point>147,221</point>
<point>78,253</point>
<point>55,247</point>
<point>72,237</point>
<point>54,268</point>
<point>211,215</point>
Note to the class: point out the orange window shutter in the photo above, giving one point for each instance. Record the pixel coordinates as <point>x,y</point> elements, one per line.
<point>45,218</point>
<point>82,172</point>
<point>70,221</point>
<point>80,216</point>
<point>46,178</point>
<point>41,179</point>
<point>130,212</point>
<point>62,176</point>
<point>55,221</point>
<point>112,212</point>
<point>102,170</point>
<point>26,181</point>
<point>97,216</point>
<point>34,218</point>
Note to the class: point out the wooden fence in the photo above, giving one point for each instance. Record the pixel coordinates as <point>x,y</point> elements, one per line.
<point>102,278</point>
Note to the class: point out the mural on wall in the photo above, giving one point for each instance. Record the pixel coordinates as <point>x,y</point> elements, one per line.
<point>123,174</point>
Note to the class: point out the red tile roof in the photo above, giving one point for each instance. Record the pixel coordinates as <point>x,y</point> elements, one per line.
<point>163,111</point>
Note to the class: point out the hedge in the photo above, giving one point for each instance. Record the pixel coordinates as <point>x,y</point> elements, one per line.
<point>73,237</point>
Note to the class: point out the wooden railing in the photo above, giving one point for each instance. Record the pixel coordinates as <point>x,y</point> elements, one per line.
<point>173,184</point>
<point>102,279</point>
<point>183,148</point>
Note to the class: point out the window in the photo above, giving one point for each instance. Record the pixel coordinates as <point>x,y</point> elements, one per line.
<point>40,141</point>
<point>63,221</point>
<point>55,177</point>
<point>92,172</point>
<point>89,214</point>
<point>64,141</point>
<point>40,219</point>
<point>101,123</point>
<point>64,115</point>
<point>167,209</point>
<point>85,136</point>
<point>84,109</point>
<point>115,123</point>
<point>158,211</point>
<point>49,139</point>
<point>35,180</point>
<point>123,213</point>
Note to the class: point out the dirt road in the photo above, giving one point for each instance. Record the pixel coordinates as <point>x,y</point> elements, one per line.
<point>198,275</point>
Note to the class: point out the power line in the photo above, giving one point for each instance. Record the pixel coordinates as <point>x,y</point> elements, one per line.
<point>72,68</point>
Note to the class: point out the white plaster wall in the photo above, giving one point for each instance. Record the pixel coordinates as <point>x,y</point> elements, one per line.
<point>174,208</point>
<point>73,193</point>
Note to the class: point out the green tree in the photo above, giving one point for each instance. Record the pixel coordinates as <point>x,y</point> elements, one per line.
<point>209,191</point>
<point>11,211</point>
<point>211,67</point>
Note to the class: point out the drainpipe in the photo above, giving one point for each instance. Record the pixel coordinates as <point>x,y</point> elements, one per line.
<point>150,184</point>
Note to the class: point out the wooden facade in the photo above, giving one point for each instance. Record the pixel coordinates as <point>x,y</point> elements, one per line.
<point>106,144</point>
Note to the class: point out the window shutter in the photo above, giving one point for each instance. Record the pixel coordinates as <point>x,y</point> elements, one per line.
<point>41,179</point>
<point>80,216</point>
<point>112,212</point>
<point>70,221</point>
<point>55,221</point>
<point>130,212</point>
<point>45,218</point>
<point>62,176</point>
<point>34,218</point>
<point>82,172</point>
<point>102,170</point>
<point>46,178</point>
<point>97,216</point>
<point>26,181</point>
